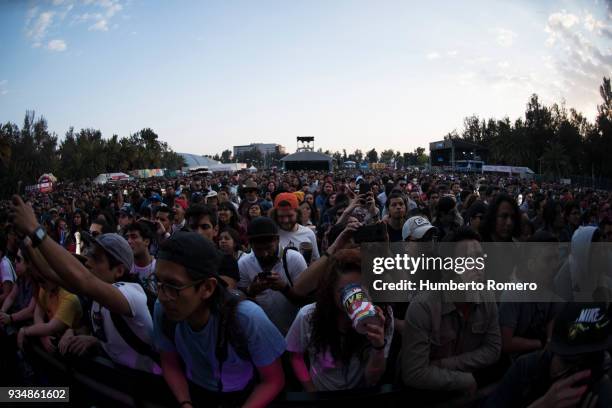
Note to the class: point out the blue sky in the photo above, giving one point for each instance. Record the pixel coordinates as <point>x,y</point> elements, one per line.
<point>207,75</point>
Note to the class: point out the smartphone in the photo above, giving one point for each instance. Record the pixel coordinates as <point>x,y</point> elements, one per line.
<point>365,188</point>
<point>371,233</point>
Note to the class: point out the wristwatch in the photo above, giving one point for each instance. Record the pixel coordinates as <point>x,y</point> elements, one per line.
<point>37,236</point>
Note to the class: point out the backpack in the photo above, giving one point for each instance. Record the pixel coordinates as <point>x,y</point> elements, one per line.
<point>228,332</point>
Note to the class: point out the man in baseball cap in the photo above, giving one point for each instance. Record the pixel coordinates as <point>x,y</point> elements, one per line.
<point>109,260</point>
<point>573,370</point>
<point>292,234</point>
<point>418,228</point>
<point>267,274</point>
<point>126,217</point>
<point>251,196</point>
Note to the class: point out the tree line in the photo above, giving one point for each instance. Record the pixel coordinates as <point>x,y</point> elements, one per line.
<point>29,152</point>
<point>551,140</point>
<point>389,156</point>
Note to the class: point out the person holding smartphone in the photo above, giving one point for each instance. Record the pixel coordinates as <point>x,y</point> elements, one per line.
<point>267,273</point>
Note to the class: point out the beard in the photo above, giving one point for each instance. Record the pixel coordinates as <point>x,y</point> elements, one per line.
<point>267,262</point>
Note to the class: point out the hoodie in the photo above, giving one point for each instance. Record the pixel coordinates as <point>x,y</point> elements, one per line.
<point>578,278</point>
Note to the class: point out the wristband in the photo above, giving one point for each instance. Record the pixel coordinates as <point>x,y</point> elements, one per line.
<point>185,403</point>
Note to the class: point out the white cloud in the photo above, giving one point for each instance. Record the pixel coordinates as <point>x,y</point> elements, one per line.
<point>57,45</point>
<point>38,29</point>
<point>452,53</point>
<point>432,55</point>
<point>100,25</point>
<point>97,13</point>
<point>505,37</point>
<point>579,58</point>
<point>503,64</point>
<point>3,84</point>
<point>563,18</point>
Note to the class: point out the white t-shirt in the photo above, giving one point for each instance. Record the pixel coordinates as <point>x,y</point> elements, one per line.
<point>140,323</point>
<point>7,272</point>
<point>326,373</point>
<point>278,308</point>
<point>143,273</point>
<point>295,238</point>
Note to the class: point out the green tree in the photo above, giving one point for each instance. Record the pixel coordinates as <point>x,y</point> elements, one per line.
<point>226,156</point>
<point>372,156</point>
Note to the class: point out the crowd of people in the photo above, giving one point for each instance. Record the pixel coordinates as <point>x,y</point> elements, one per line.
<point>233,287</point>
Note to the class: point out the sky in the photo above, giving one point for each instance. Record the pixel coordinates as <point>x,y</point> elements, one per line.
<point>207,75</point>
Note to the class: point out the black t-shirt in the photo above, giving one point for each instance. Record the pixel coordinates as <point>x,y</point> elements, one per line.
<point>395,235</point>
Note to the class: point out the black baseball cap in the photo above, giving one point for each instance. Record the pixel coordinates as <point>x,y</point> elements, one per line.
<point>194,252</point>
<point>581,328</point>
<point>261,227</point>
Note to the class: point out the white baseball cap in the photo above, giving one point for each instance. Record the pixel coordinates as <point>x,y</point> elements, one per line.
<point>416,227</point>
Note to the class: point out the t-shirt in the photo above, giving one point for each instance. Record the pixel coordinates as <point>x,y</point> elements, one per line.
<point>25,291</point>
<point>143,274</point>
<point>295,238</point>
<point>61,305</point>
<point>7,272</point>
<point>395,235</point>
<point>327,374</point>
<point>278,308</point>
<point>141,324</point>
<point>197,348</point>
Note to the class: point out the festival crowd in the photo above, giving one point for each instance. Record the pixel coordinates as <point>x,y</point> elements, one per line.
<point>234,287</point>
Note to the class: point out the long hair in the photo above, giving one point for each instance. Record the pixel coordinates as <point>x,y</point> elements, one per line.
<point>487,227</point>
<point>234,218</point>
<point>326,335</point>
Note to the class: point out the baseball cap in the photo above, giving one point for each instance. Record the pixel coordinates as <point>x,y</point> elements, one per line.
<point>192,251</point>
<point>581,328</point>
<point>416,227</point>
<point>250,185</point>
<point>117,247</point>
<point>156,197</point>
<point>286,199</point>
<point>211,194</point>
<point>127,209</point>
<point>182,203</point>
<point>261,227</point>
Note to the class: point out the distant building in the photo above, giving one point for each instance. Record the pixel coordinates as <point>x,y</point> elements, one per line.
<point>264,148</point>
<point>448,154</point>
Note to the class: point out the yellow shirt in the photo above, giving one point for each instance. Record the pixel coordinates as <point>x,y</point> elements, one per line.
<point>61,305</point>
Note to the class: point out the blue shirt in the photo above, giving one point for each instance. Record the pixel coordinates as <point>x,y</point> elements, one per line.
<point>197,349</point>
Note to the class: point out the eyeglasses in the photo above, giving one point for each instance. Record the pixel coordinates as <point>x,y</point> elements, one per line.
<point>172,292</point>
